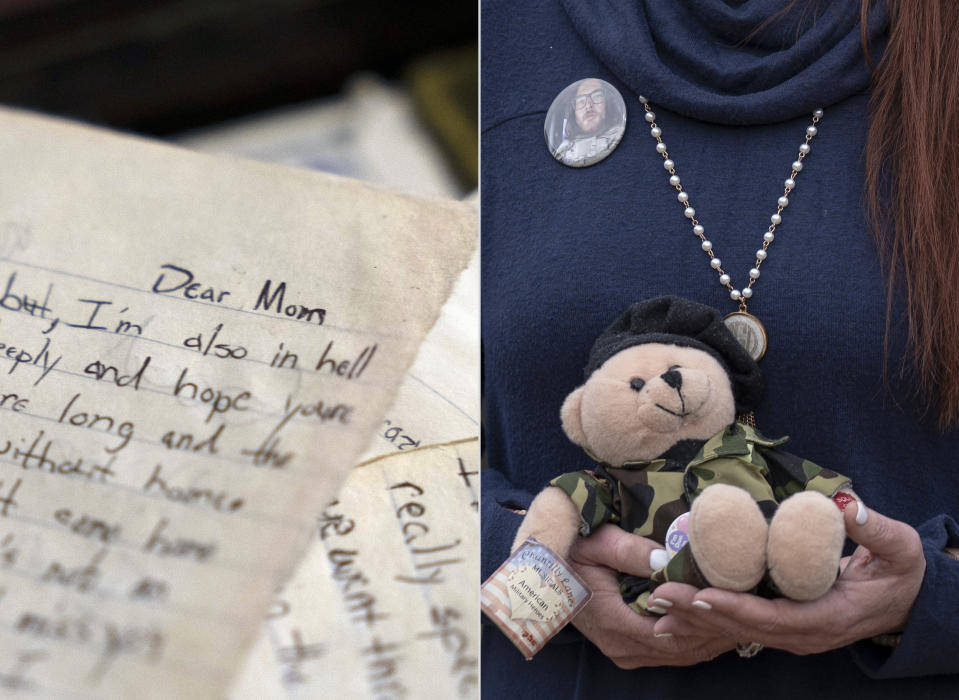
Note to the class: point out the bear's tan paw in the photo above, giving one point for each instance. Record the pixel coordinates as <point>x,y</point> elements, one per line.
<point>553,519</point>
<point>805,544</point>
<point>727,535</point>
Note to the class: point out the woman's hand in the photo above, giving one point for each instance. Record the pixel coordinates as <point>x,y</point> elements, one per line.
<point>873,595</point>
<point>622,634</point>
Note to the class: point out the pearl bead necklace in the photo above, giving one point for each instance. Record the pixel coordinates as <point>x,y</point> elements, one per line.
<point>737,295</point>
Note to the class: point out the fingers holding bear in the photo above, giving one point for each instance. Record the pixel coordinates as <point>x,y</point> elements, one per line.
<point>618,550</point>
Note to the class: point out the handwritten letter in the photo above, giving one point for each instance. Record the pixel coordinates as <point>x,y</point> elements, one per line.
<point>385,606</point>
<point>312,639</point>
<point>193,351</point>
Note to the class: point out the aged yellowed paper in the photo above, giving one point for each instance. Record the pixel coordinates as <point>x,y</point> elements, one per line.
<point>385,606</point>
<point>195,350</point>
<point>312,638</point>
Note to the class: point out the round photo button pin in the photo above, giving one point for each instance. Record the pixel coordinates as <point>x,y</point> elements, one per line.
<point>585,122</point>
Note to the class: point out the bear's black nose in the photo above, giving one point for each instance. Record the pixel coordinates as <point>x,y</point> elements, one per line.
<point>636,384</point>
<point>672,378</point>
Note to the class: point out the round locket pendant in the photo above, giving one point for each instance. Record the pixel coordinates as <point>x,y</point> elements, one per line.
<point>749,331</point>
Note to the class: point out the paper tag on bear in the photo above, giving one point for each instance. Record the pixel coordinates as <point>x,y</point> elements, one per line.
<point>532,596</point>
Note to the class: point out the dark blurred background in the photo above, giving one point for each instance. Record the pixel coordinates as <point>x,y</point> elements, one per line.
<point>161,67</point>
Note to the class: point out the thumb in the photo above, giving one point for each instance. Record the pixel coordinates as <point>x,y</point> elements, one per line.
<point>882,536</point>
<point>618,549</point>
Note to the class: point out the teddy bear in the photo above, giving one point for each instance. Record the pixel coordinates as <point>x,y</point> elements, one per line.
<point>658,414</point>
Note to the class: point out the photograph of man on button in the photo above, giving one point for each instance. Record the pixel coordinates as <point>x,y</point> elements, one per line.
<point>589,123</point>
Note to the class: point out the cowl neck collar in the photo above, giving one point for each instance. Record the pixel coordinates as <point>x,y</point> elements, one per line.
<point>705,58</point>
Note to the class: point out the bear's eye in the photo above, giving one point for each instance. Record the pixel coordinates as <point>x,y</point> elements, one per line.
<point>636,384</point>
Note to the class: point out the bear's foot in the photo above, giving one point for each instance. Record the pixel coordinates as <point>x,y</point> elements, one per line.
<point>805,544</point>
<point>727,536</point>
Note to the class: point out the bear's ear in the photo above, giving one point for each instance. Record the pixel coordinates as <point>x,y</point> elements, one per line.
<point>571,417</point>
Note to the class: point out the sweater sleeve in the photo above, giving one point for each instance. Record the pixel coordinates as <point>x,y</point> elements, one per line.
<point>930,642</point>
<point>500,499</point>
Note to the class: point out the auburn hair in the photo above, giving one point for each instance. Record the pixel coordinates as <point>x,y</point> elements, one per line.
<point>912,176</point>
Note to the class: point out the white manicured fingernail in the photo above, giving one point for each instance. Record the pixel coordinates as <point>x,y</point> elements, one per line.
<point>862,515</point>
<point>658,558</point>
<point>702,605</point>
<point>661,602</point>
<point>656,609</point>
<point>663,635</point>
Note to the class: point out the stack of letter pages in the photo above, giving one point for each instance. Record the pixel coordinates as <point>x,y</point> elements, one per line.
<point>197,351</point>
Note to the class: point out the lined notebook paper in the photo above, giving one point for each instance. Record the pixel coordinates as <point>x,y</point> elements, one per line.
<point>383,606</point>
<point>195,351</point>
<point>385,603</point>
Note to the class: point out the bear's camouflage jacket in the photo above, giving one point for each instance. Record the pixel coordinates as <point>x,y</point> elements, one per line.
<point>645,497</point>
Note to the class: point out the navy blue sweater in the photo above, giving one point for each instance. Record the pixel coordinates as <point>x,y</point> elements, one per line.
<point>565,250</point>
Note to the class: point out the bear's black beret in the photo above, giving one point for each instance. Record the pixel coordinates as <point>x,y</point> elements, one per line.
<point>677,321</point>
